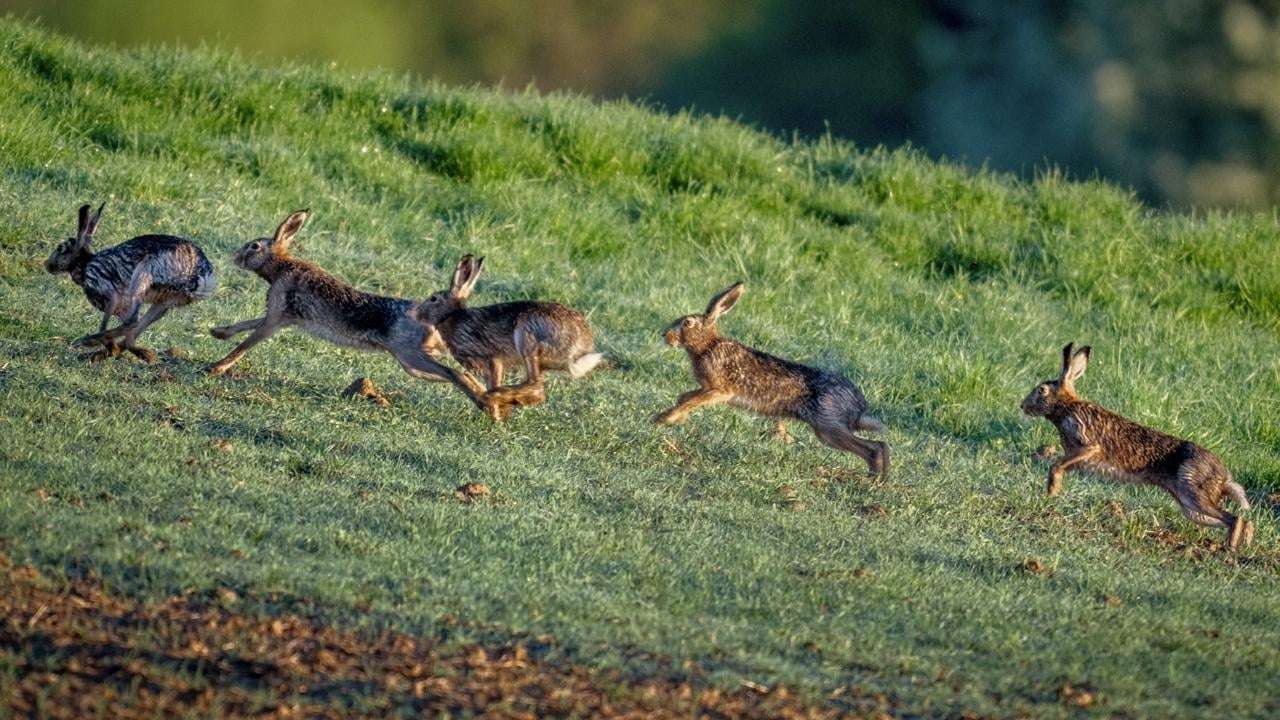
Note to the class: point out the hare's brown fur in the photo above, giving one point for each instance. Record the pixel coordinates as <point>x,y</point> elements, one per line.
<point>1100,442</point>
<point>301,293</point>
<point>535,334</point>
<point>729,372</point>
<point>162,271</point>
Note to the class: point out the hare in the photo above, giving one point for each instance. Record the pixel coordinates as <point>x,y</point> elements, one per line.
<point>303,294</point>
<point>536,334</point>
<point>728,371</point>
<point>1103,443</point>
<point>162,271</point>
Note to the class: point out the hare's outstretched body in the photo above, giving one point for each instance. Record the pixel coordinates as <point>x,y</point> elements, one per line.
<point>728,371</point>
<point>162,271</point>
<point>303,294</point>
<point>534,334</point>
<point>1100,442</point>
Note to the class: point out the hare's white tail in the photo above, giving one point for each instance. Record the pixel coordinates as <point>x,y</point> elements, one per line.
<point>867,423</point>
<point>584,363</point>
<point>1237,493</point>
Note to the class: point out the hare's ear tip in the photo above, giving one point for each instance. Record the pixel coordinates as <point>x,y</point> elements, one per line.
<point>1084,350</point>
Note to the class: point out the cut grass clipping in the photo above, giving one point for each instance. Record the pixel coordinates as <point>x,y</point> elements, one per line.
<point>944,293</point>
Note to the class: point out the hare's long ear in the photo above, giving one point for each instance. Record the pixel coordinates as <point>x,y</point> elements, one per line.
<point>286,231</point>
<point>1066,360</point>
<point>1079,361</point>
<point>465,277</point>
<point>88,223</point>
<point>724,301</point>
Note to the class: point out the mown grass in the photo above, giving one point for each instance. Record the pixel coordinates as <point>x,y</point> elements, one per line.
<point>945,293</point>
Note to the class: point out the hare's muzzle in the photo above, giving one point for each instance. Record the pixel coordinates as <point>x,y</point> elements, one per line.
<point>672,336</point>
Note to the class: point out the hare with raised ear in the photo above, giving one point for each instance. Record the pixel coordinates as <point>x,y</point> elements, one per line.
<point>162,271</point>
<point>728,371</point>
<point>1100,442</point>
<point>301,293</point>
<point>534,334</point>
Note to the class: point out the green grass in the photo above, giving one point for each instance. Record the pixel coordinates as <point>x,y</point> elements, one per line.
<point>945,293</point>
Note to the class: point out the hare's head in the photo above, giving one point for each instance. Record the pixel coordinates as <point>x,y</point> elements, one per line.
<point>258,253</point>
<point>75,250</point>
<point>697,331</point>
<point>1052,394</point>
<point>439,304</point>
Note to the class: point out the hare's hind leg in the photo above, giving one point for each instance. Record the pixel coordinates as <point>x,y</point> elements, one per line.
<point>873,452</point>
<point>1201,509</point>
<point>154,313</point>
<point>417,363</point>
<point>226,332</point>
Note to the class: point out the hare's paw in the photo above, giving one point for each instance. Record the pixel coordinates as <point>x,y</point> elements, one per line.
<point>143,354</point>
<point>216,369</point>
<point>670,417</point>
<point>222,332</point>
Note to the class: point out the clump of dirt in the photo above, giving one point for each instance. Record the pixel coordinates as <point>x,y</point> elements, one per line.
<point>364,387</point>
<point>1033,566</point>
<point>471,492</point>
<point>1080,695</point>
<point>79,652</point>
<point>1044,452</point>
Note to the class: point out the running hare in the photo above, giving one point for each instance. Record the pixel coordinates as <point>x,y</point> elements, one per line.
<point>1103,443</point>
<point>536,334</point>
<point>162,271</point>
<point>728,371</point>
<point>303,294</point>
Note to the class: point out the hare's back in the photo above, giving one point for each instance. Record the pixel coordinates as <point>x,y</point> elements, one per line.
<point>1129,448</point>
<point>332,310</point>
<point>175,267</point>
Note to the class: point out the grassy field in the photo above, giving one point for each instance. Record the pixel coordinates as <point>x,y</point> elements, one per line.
<point>945,293</point>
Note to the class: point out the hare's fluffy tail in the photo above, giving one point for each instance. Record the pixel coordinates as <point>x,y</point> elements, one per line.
<point>867,423</point>
<point>1237,493</point>
<point>584,363</point>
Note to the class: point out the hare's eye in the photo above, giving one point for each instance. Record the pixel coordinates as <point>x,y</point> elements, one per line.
<point>1044,389</point>
<point>255,246</point>
<point>433,299</point>
<point>62,247</point>
<point>688,322</point>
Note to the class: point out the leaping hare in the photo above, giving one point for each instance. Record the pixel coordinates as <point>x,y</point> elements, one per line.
<point>1100,442</point>
<point>162,271</point>
<point>728,371</point>
<point>303,294</point>
<point>535,334</point>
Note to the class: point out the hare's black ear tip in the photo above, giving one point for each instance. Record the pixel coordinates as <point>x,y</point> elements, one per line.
<point>1084,350</point>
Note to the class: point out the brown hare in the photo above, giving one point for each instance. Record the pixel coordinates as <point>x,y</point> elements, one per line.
<point>728,371</point>
<point>535,334</point>
<point>162,271</point>
<point>1100,442</point>
<point>303,294</point>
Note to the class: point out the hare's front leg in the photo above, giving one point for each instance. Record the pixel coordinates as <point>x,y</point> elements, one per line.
<point>1084,453</point>
<point>265,329</point>
<point>691,401</point>
<point>226,332</point>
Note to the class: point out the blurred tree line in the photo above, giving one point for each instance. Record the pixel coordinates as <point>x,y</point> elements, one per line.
<point>1179,99</point>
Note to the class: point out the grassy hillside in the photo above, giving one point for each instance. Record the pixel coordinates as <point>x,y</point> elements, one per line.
<point>946,294</point>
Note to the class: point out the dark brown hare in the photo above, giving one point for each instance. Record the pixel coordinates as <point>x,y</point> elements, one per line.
<point>304,295</point>
<point>162,271</point>
<point>536,335</point>
<point>1102,443</point>
<point>729,372</point>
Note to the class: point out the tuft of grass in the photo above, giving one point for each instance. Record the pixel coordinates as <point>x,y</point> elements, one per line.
<point>944,293</point>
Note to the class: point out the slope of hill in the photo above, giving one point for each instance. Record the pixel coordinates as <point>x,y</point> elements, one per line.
<point>946,294</point>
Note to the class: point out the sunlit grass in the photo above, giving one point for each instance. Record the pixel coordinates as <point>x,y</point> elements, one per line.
<point>944,293</point>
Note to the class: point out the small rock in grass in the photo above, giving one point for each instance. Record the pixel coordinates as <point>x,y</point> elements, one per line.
<point>470,492</point>
<point>364,387</point>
